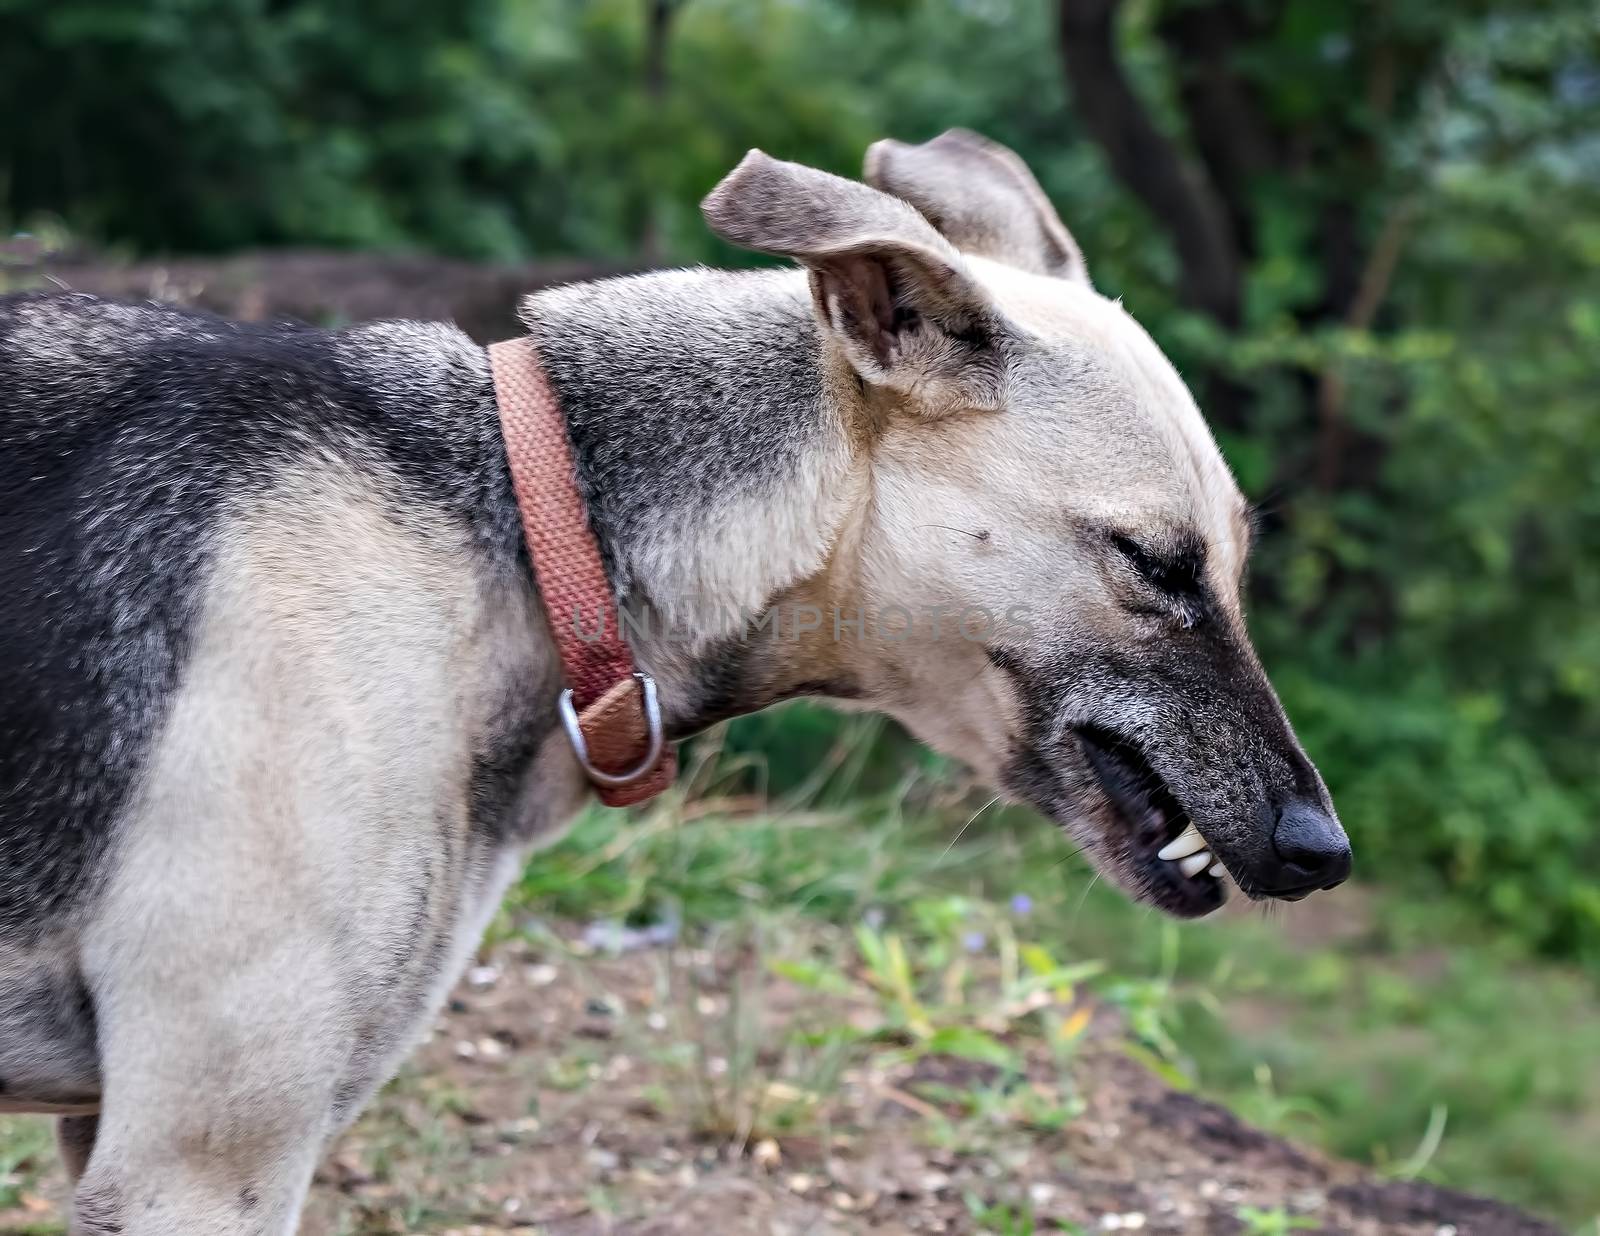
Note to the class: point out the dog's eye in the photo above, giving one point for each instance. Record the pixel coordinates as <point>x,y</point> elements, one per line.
<point>1176,574</point>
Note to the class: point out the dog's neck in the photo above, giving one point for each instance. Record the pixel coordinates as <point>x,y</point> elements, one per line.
<point>711,450</point>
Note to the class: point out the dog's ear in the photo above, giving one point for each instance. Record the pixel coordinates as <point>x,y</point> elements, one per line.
<point>888,287</point>
<point>982,197</point>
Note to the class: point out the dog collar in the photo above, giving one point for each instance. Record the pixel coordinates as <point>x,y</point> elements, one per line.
<point>609,708</point>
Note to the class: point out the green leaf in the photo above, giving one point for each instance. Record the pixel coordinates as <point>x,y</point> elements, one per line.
<point>970,1043</point>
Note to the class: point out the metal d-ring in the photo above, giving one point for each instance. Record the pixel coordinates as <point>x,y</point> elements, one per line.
<point>652,720</point>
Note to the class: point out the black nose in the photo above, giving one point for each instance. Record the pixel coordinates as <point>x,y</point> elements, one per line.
<point>1314,849</point>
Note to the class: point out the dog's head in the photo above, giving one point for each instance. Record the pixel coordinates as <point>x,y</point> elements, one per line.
<point>1048,568</point>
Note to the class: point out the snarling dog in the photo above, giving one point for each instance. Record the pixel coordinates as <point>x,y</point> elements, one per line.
<point>279,700</point>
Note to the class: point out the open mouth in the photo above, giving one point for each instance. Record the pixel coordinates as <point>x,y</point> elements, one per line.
<point>1161,852</point>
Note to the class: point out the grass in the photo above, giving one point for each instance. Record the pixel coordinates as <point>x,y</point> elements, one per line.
<point>1390,1033</point>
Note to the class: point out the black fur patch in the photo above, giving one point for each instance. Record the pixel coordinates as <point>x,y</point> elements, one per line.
<point>501,763</point>
<point>125,434</point>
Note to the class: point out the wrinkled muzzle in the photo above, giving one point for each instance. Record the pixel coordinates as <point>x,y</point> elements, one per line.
<point>1180,772</point>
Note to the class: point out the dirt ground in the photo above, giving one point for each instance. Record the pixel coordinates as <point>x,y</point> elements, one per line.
<point>629,1094</point>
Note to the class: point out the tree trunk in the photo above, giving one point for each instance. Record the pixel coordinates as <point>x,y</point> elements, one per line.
<point>1172,187</point>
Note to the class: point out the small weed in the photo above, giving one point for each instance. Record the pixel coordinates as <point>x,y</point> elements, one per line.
<point>1010,1103</point>
<point>1002,1220</point>
<point>957,982</point>
<point>1274,1222</point>
<point>1286,1115</point>
<point>571,1071</point>
<point>1417,1162</point>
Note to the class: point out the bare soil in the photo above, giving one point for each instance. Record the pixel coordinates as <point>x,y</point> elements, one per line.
<point>606,1140</point>
<point>606,1095</point>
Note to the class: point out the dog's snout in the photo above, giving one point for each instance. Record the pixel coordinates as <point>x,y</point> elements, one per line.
<point>1312,846</point>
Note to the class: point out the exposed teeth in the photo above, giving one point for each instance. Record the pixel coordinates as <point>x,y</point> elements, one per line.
<point>1188,850</point>
<point>1188,842</point>
<point>1218,870</point>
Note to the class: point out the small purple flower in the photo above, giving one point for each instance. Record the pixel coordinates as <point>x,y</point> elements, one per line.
<point>874,918</point>
<point>974,941</point>
<point>1021,904</point>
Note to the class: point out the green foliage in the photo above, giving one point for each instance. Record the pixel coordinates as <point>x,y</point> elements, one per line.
<point>1418,351</point>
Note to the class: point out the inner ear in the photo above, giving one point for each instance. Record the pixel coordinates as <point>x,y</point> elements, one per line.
<point>894,296</point>
<point>861,298</point>
<point>912,323</point>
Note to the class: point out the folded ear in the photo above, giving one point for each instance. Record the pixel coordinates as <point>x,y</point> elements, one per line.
<point>889,289</point>
<point>982,197</point>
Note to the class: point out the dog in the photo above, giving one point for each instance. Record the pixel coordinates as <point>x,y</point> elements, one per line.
<point>278,711</point>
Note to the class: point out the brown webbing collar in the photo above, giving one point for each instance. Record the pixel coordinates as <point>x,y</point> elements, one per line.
<point>609,707</point>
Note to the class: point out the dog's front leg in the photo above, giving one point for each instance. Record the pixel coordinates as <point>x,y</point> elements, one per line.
<point>222,1057</point>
